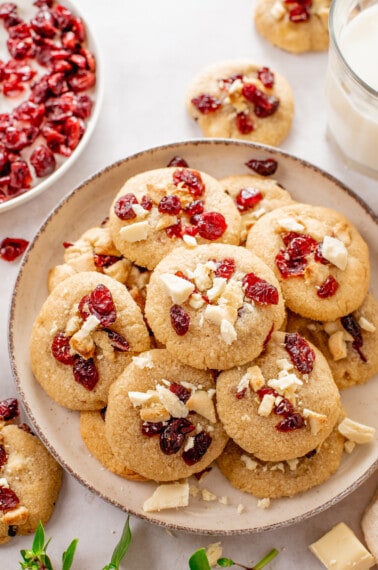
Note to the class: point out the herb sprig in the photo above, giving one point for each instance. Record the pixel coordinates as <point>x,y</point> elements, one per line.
<point>200,561</point>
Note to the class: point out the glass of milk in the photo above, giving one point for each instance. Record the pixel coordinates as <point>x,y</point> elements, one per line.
<point>352,82</point>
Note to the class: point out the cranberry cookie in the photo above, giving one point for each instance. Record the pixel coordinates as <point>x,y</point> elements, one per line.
<point>87,331</point>
<point>159,210</point>
<point>318,256</point>
<point>294,26</point>
<point>350,343</point>
<point>214,306</point>
<point>284,404</point>
<point>254,196</point>
<point>242,100</point>
<point>161,420</point>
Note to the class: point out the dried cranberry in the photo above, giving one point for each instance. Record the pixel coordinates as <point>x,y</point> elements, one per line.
<point>180,320</point>
<point>9,409</point>
<point>190,179</point>
<point>173,436</point>
<point>85,372</point>
<point>170,205</point>
<point>3,456</point>
<point>328,288</point>
<point>12,248</point>
<point>43,161</point>
<point>8,499</point>
<point>265,167</point>
<point>6,8</point>
<point>290,267</point>
<point>100,304</point>
<point>31,112</point>
<point>301,354</point>
<point>211,225</point>
<point>259,290</point>
<point>61,349</point>
<point>146,202</point>
<point>43,23</point>
<point>266,391</point>
<point>181,392</point>
<point>206,103</point>
<point>299,14</point>
<point>248,91</point>
<point>178,161</point>
<point>248,198</point>
<point>117,341</point>
<point>174,231</point>
<point>268,336</point>
<point>101,260</point>
<point>284,408</point>
<point>201,444</point>
<point>244,123</point>
<point>123,208</point>
<point>225,268</point>
<point>291,423</point>
<point>266,77</point>
<point>318,255</point>
<point>351,325</point>
<point>194,208</point>
<point>153,428</point>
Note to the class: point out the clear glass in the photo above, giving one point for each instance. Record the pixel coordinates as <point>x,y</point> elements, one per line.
<point>352,103</point>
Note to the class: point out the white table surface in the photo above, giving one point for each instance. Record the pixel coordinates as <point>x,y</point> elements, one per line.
<point>151,50</point>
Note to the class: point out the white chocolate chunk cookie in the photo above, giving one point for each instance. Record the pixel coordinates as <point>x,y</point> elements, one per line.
<point>86,332</point>
<point>296,27</point>
<point>161,421</point>
<point>214,306</point>
<point>239,99</point>
<point>318,256</point>
<point>284,404</point>
<point>159,210</point>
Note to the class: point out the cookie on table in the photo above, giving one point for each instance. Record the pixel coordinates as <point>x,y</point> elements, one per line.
<point>350,344</point>
<point>213,306</point>
<point>318,256</point>
<point>30,481</point>
<point>282,405</point>
<point>161,420</point>
<point>254,196</point>
<point>369,524</point>
<point>284,478</point>
<point>86,332</point>
<point>158,210</point>
<point>240,99</point>
<point>92,431</point>
<point>292,26</point>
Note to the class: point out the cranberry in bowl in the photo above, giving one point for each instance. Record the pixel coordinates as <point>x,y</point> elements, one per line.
<point>50,93</point>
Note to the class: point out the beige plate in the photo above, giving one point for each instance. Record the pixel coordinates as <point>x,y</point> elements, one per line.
<point>59,428</point>
<point>27,10</point>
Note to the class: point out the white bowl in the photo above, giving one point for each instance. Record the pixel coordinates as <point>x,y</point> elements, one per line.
<point>87,206</point>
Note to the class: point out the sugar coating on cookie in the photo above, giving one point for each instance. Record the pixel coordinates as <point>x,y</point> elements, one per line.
<point>254,196</point>
<point>30,481</point>
<point>283,478</point>
<point>86,332</point>
<point>214,306</point>
<point>318,256</point>
<point>161,419</point>
<point>293,26</point>
<point>243,100</point>
<point>158,210</point>
<point>348,343</point>
<point>282,405</point>
<point>92,431</point>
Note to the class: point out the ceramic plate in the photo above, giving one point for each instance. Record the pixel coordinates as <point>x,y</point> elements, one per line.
<point>59,428</point>
<point>26,10</point>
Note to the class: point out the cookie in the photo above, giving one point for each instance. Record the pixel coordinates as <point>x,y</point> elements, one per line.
<point>369,524</point>
<point>86,332</point>
<point>254,196</point>
<point>30,481</point>
<point>92,430</point>
<point>318,256</point>
<point>158,210</point>
<point>285,478</point>
<point>282,405</point>
<point>349,344</point>
<point>242,100</point>
<point>161,420</point>
<point>213,306</point>
<point>293,26</point>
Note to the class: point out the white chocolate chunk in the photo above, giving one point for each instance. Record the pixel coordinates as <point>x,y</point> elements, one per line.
<point>266,406</point>
<point>228,332</point>
<point>277,10</point>
<point>263,503</point>
<point>143,361</point>
<point>256,378</point>
<point>337,345</point>
<point>189,240</point>
<point>217,313</point>
<point>17,516</point>
<point>201,403</point>
<point>334,251</point>
<point>202,277</point>
<point>340,549</point>
<point>213,553</point>
<point>355,431</point>
<point>243,383</point>
<point>366,325</point>
<point>142,398</point>
<point>250,463</point>
<point>291,225</point>
<point>285,382</point>
<point>139,211</point>
<point>168,496</point>
<point>178,288</point>
<point>137,231</point>
<point>171,402</point>
<point>315,419</point>
<point>219,285</point>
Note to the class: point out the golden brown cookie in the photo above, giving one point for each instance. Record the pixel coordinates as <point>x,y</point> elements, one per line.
<point>243,100</point>
<point>213,306</point>
<point>159,210</point>
<point>86,332</point>
<point>282,405</point>
<point>294,26</point>
<point>318,256</point>
<point>161,420</point>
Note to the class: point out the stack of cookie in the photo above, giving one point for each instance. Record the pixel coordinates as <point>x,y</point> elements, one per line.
<point>211,321</point>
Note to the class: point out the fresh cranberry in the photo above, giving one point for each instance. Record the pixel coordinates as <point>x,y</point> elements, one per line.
<point>300,352</point>
<point>259,290</point>
<point>124,207</point>
<point>265,167</point>
<point>248,198</point>
<point>206,103</point>
<point>12,248</point>
<point>328,288</point>
<point>61,349</point>
<point>211,225</point>
<point>180,320</point>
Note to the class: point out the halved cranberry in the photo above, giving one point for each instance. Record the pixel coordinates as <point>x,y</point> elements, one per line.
<point>173,436</point>
<point>248,198</point>
<point>12,248</point>
<point>206,103</point>
<point>123,207</point>
<point>211,225</point>
<point>190,179</point>
<point>328,288</point>
<point>9,409</point>
<point>301,354</point>
<point>202,442</point>
<point>61,349</point>
<point>225,268</point>
<point>85,372</point>
<point>170,205</point>
<point>180,320</point>
<point>259,290</point>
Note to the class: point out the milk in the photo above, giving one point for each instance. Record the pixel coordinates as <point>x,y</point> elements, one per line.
<point>352,103</point>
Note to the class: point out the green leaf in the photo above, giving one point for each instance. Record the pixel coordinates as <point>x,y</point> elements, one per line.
<point>68,555</point>
<point>268,558</point>
<point>39,539</point>
<point>225,562</point>
<point>121,547</point>
<point>199,560</point>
